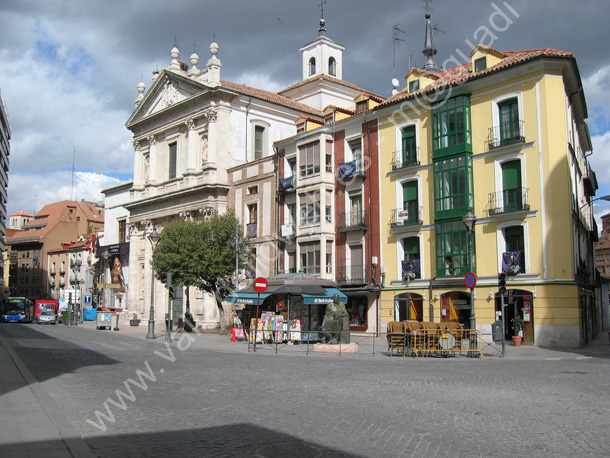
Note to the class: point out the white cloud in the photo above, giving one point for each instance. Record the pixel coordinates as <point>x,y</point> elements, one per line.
<point>30,192</point>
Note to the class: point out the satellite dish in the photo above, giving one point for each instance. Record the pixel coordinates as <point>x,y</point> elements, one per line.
<point>395,82</point>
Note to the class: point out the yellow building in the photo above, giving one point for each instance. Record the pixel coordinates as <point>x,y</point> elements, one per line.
<point>499,142</point>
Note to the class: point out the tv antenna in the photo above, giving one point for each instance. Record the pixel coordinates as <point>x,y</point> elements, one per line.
<point>395,38</point>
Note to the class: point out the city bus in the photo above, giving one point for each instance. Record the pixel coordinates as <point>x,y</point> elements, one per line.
<point>17,310</point>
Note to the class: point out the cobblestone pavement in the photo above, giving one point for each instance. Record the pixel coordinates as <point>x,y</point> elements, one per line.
<point>204,396</point>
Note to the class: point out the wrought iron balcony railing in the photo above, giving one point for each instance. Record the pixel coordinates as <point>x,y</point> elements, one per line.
<point>354,221</point>
<point>350,170</point>
<point>410,216</point>
<point>402,159</point>
<point>510,200</point>
<point>357,274</point>
<point>505,134</point>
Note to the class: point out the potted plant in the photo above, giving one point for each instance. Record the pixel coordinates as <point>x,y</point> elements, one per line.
<point>134,320</point>
<point>517,330</point>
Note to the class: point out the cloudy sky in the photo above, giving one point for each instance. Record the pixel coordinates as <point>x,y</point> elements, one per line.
<point>69,68</point>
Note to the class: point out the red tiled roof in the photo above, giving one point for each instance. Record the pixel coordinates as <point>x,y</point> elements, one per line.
<point>322,77</point>
<point>464,73</point>
<point>269,97</point>
<point>50,215</point>
<point>21,213</point>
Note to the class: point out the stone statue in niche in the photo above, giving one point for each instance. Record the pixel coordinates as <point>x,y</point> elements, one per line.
<point>335,327</point>
<point>204,149</point>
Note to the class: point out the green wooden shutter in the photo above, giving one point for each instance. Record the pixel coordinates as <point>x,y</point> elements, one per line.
<point>511,185</point>
<point>514,238</point>
<point>411,248</point>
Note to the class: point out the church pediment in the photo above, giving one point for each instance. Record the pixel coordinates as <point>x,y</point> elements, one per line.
<point>168,90</point>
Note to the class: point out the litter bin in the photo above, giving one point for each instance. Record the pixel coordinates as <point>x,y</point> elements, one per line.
<point>89,314</point>
<point>114,321</point>
<point>497,331</point>
<point>102,320</point>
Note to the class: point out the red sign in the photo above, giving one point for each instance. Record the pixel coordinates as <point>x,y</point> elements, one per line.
<point>470,280</point>
<point>260,285</point>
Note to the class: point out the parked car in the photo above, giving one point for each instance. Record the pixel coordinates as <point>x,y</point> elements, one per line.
<point>46,317</point>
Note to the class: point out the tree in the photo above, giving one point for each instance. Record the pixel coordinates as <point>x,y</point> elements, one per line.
<point>202,255</point>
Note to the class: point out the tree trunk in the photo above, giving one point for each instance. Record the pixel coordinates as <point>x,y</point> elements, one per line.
<point>225,310</point>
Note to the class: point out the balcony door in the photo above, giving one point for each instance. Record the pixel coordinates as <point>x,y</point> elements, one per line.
<point>512,192</point>
<point>509,121</point>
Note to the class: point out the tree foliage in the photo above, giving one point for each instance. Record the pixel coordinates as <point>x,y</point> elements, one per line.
<point>201,254</point>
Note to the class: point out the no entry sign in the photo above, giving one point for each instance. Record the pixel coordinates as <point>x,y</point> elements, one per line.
<point>260,285</point>
<point>470,280</point>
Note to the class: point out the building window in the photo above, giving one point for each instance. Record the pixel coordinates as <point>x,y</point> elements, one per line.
<point>512,192</point>
<point>411,268</point>
<point>122,231</point>
<point>453,187</point>
<point>292,261</point>
<point>332,66</point>
<point>329,256</point>
<point>310,208</point>
<point>452,255</point>
<point>259,135</point>
<point>310,257</point>
<point>309,159</point>
<point>355,147</point>
<point>410,203</point>
<point>312,66</point>
<point>329,206</point>
<point>451,131</point>
<point>171,166</point>
<point>480,64</point>
<point>356,214</point>
<point>252,214</point>
<point>515,243</point>
<point>251,227</point>
<point>253,190</point>
<point>510,127</point>
<point>409,146</point>
<point>413,85</point>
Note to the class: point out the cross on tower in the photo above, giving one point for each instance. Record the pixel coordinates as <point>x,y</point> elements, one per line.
<point>427,7</point>
<point>321,5</point>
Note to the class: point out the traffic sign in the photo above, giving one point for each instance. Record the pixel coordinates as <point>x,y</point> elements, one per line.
<point>470,280</point>
<point>260,285</point>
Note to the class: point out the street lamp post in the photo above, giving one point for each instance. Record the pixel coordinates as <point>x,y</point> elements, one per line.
<point>154,238</point>
<point>469,221</point>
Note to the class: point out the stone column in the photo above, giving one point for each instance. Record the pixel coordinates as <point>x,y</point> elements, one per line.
<point>192,147</point>
<point>138,165</point>
<point>212,136</point>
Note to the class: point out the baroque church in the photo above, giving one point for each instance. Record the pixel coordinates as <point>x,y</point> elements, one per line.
<point>190,128</point>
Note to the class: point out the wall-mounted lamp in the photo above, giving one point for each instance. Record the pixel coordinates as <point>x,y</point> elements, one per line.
<point>374,261</point>
<point>436,297</point>
<point>423,296</point>
<point>491,295</point>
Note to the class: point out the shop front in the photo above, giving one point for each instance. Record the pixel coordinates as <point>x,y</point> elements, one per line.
<point>292,299</point>
<point>517,302</point>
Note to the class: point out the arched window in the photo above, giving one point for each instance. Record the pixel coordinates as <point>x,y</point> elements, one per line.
<point>312,66</point>
<point>332,66</point>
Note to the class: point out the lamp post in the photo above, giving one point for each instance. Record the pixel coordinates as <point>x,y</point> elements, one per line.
<point>154,238</point>
<point>469,221</point>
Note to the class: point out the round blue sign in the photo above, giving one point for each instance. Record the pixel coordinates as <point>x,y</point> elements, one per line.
<point>470,280</point>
